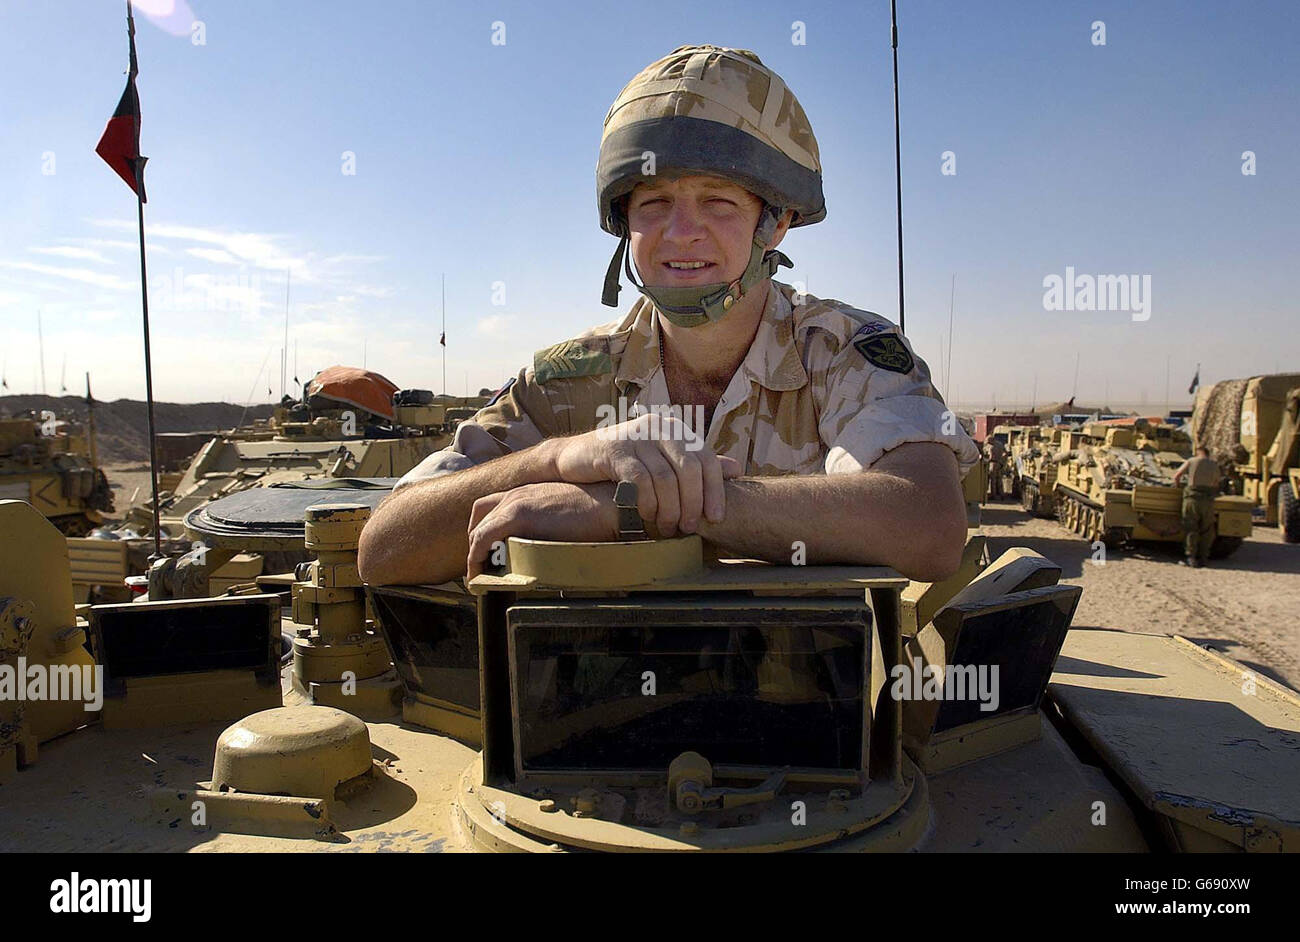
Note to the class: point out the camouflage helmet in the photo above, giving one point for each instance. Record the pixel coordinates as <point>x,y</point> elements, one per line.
<point>709,110</point>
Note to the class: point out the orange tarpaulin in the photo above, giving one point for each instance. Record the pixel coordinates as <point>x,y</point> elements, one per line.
<point>354,387</point>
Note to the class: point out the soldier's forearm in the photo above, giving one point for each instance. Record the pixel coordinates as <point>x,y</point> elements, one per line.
<point>418,534</point>
<point>907,514</point>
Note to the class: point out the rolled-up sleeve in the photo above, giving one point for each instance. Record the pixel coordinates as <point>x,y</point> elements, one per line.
<point>879,396</point>
<point>504,425</point>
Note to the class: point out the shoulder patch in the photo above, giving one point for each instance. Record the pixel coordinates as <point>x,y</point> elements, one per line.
<point>885,351</point>
<point>569,359</point>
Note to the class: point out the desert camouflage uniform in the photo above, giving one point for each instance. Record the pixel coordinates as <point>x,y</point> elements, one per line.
<point>824,388</point>
<point>1202,484</point>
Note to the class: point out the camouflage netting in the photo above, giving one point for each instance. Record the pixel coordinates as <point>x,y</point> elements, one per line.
<point>1217,422</point>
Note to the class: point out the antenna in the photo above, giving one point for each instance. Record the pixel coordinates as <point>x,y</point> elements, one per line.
<point>898,161</point>
<point>63,376</point>
<point>443,339</point>
<point>90,425</point>
<point>952,300</point>
<point>284,351</point>
<point>253,388</point>
<point>40,341</point>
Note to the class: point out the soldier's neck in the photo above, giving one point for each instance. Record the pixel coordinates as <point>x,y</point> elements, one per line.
<point>700,361</point>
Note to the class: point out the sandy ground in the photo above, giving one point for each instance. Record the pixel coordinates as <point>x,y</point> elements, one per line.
<point>1246,606</point>
<point>124,479</point>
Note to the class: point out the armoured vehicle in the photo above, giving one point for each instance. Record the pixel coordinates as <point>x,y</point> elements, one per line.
<point>52,464</point>
<point>1114,483</point>
<point>351,424</point>
<point>1033,457</point>
<point>626,697</point>
<point>1251,427</point>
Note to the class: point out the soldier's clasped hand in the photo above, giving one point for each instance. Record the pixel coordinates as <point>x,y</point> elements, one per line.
<point>678,477</point>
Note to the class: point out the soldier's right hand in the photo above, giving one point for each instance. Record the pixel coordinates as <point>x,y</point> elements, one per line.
<point>677,476</point>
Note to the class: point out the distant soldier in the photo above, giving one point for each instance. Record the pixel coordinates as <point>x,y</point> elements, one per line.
<point>1198,505</point>
<point>996,453</point>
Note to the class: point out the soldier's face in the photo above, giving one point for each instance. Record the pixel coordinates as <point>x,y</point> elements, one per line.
<point>692,230</point>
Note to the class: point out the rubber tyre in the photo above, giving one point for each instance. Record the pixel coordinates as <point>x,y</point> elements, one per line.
<point>1288,513</point>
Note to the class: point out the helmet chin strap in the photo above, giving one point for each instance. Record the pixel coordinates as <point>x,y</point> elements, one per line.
<point>701,304</point>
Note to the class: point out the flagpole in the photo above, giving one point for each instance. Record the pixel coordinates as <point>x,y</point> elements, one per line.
<point>138,170</point>
<point>148,360</point>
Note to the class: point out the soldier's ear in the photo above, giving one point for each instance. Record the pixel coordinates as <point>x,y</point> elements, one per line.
<point>782,227</point>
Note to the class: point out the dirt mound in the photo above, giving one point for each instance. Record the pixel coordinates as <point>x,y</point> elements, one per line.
<point>122,426</point>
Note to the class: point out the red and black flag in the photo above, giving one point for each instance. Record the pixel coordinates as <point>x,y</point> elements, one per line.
<point>120,143</point>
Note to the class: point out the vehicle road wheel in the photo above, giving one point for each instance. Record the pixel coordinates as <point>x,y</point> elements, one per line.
<point>1115,537</point>
<point>1288,513</point>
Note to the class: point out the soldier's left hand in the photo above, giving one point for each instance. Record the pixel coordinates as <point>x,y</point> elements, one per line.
<point>580,513</point>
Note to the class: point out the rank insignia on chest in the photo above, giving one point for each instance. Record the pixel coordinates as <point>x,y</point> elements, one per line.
<point>887,352</point>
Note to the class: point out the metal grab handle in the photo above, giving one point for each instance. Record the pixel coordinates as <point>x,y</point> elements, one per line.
<point>690,787</point>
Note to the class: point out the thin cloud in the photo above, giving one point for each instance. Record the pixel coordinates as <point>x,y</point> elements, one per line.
<point>220,256</point>
<point>70,251</point>
<point>83,275</point>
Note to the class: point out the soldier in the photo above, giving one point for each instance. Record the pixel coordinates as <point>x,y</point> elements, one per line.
<point>995,452</point>
<point>744,411</point>
<point>1198,505</point>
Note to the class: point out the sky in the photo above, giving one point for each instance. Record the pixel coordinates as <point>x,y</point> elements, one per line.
<point>363,152</point>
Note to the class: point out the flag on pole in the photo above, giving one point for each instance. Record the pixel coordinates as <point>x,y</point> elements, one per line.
<point>1196,381</point>
<point>120,144</point>
<point>443,339</point>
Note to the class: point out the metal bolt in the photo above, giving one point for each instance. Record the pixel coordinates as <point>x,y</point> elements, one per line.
<point>547,805</point>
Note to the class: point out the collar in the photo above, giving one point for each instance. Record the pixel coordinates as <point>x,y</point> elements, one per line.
<point>773,359</point>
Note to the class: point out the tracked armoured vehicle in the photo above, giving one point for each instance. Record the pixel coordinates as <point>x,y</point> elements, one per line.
<point>52,464</point>
<point>351,423</point>
<point>1115,484</point>
<point>628,697</point>
<point>1033,457</point>
<point>351,426</point>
